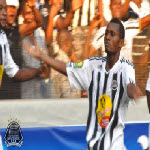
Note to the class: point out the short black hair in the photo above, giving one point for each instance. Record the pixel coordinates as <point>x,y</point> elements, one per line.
<point>121,27</point>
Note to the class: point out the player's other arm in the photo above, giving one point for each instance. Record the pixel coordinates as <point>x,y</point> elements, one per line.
<point>133,91</point>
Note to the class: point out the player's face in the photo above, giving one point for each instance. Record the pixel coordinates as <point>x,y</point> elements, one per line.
<point>3,11</point>
<point>112,40</point>
<point>11,14</point>
<point>116,8</point>
<point>28,14</point>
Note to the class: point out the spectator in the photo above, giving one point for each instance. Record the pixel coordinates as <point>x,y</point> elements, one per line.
<point>58,21</point>
<point>35,90</point>
<point>60,87</point>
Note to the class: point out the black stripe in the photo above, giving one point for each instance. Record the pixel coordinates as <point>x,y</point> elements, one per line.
<point>1,57</point>
<point>95,145</point>
<point>97,98</point>
<point>115,122</point>
<point>88,23</point>
<point>105,83</point>
<point>5,48</point>
<point>80,16</point>
<point>132,28</point>
<point>103,129</point>
<point>113,94</point>
<point>90,102</point>
<point>114,90</point>
<point>102,143</point>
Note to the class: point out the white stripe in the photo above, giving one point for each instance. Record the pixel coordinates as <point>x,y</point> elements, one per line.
<point>84,17</point>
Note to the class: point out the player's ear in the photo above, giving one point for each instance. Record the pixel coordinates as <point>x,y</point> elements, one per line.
<point>121,43</point>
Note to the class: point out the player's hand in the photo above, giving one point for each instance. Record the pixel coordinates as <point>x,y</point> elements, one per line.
<point>76,4</point>
<point>97,20</point>
<point>44,71</point>
<point>134,91</point>
<point>35,51</point>
<point>32,50</point>
<point>30,3</point>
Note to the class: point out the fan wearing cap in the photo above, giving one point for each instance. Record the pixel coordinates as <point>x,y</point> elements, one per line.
<point>12,9</point>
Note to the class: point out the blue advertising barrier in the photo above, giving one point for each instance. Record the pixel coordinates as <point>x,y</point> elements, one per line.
<point>70,137</point>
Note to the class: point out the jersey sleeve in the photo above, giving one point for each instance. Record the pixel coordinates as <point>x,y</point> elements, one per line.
<point>79,74</point>
<point>129,73</point>
<point>9,65</point>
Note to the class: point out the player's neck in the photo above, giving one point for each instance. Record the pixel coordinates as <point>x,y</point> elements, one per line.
<point>111,60</point>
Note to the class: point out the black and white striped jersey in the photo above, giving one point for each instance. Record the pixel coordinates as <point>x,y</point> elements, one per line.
<point>5,57</point>
<point>108,100</point>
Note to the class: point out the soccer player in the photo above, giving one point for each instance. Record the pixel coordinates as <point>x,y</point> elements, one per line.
<point>110,84</point>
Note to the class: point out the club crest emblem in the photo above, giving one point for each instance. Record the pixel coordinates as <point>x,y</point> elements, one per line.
<point>114,85</point>
<point>13,135</point>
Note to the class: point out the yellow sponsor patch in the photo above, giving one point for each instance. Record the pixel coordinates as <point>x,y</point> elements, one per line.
<point>1,73</point>
<point>78,65</point>
<point>104,110</point>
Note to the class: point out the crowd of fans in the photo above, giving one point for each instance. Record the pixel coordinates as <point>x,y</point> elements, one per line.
<point>66,30</point>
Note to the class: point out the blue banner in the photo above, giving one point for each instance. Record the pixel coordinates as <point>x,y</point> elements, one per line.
<point>70,137</point>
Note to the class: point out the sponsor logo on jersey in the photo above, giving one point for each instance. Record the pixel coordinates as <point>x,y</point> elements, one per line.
<point>78,65</point>
<point>104,110</point>
<point>13,135</point>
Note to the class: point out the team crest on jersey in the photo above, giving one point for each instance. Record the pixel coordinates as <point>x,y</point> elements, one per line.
<point>99,67</point>
<point>114,85</point>
<point>78,65</point>
<point>104,110</point>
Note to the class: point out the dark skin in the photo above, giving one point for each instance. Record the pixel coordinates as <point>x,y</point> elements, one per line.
<point>113,45</point>
<point>30,73</point>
